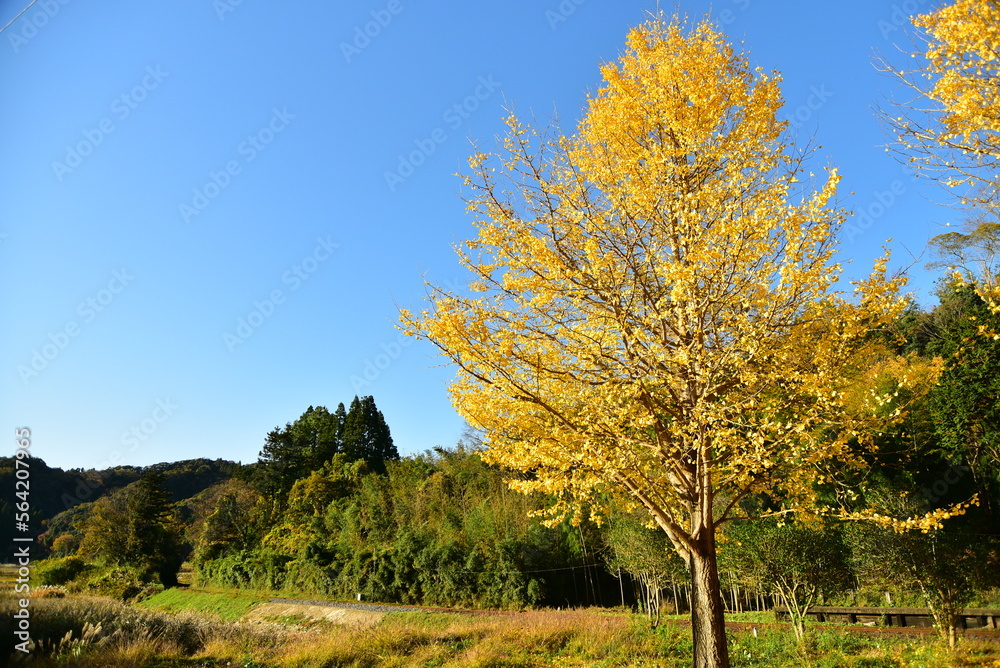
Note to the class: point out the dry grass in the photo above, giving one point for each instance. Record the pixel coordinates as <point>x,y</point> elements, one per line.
<point>581,638</point>
<point>49,591</point>
<point>94,631</point>
<point>100,633</point>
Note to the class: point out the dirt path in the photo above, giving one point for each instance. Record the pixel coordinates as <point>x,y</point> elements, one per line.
<point>365,607</point>
<point>326,612</point>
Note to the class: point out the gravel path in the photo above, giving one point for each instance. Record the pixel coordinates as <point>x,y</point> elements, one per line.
<point>367,607</point>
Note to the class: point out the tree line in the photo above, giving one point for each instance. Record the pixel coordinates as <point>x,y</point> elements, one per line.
<point>333,511</point>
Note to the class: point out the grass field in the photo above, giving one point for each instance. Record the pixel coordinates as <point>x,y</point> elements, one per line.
<point>228,606</point>
<point>100,633</point>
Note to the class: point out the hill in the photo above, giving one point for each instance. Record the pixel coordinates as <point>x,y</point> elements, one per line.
<point>59,498</point>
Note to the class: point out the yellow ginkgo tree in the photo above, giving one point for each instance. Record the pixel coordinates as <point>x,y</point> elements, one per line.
<point>655,320</point>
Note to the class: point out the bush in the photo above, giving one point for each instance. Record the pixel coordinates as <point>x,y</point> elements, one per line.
<point>245,569</point>
<point>121,582</point>
<point>307,576</point>
<point>59,571</point>
<point>55,591</point>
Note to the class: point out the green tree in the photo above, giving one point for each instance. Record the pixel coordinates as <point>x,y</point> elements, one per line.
<point>136,526</point>
<point>946,565</point>
<point>232,521</point>
<point>302,446</point>
<point>366,435</point>
<point>316,437</point>
<point>645,554</point>
<point>281,462</point>
<point>975,254</point>
<point>795,563</point>
<point>965,405</point>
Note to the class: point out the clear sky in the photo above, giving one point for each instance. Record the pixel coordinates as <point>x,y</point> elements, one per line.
<point>210,211</point>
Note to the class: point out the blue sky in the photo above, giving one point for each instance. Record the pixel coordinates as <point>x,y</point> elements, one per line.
<point>210,211</point>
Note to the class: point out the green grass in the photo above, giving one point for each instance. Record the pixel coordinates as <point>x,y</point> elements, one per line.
<point>228,606</point>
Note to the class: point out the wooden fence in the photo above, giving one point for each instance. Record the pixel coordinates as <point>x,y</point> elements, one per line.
<point>971,618</point>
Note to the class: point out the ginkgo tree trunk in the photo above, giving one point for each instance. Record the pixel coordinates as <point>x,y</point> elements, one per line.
<point>654,319</point>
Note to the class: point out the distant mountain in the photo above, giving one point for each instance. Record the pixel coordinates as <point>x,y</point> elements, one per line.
<point>57,497</point>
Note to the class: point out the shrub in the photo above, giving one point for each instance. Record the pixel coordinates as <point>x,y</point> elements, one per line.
<point>59,571</point>
<point>121,582</point>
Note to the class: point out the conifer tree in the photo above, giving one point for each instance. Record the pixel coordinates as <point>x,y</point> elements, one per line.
<point>366,434</point>
<point>136,527</point>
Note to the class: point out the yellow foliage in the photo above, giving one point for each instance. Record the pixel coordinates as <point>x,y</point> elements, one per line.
<point>958,133</point>
<point>964,56</point>
<point>654,317</point>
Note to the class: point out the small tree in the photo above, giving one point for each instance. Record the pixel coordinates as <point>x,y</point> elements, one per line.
<point>796,563</point>
<point>645,554</point>
<point>65,545</point>
<point>945,564</point>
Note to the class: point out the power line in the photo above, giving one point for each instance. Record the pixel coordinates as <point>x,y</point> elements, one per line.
<point>19,15</point>
<point>542,570</point>
<point>508,572</point>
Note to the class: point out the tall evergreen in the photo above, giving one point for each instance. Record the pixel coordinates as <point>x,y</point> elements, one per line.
<point>366,434</point>
<point>136,526</point>
<point>319,435</point>
<point>292,452</point>
<point>282,462</point>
